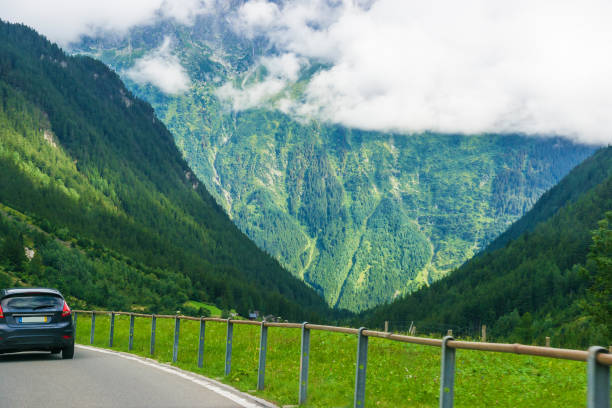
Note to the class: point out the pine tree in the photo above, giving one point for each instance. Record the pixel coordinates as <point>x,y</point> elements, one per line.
<point>13,252</point>
<point>599,269</point>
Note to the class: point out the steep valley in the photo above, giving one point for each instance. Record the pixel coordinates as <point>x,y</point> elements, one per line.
<point>548,275</point>
<point>360,216</point>
<point>93,184</point>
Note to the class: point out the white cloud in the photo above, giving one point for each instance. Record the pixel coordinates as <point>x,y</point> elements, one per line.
<point>65,21</point>
<point>256,17</point>
<point>185,11</point>
<point>256,95</point>
<point>443,65</point>
<point>472,66</point>
<point>161,69</point>
<point>280,71</point>
<point>286,66</point>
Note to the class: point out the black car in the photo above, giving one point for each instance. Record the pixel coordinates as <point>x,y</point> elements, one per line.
<point>35,319</point>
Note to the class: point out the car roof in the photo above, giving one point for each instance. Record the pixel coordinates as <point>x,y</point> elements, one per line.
<point>24,291</point>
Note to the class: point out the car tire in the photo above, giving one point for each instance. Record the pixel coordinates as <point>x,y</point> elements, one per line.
<point>68,352</point>
<point>56,351</point>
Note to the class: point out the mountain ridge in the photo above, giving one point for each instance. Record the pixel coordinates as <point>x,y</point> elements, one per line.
<point>559,195</point>
<point>86,158</point>
<point>533,285</point>
<point>303,190</point>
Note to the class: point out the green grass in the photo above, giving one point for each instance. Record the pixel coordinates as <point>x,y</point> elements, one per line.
<point>214,310</point>
<point>398,374</point>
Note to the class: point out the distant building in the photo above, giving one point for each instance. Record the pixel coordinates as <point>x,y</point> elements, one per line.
<point>254,315</point>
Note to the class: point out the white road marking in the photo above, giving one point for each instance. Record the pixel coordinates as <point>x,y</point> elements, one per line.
<point>203,383</point>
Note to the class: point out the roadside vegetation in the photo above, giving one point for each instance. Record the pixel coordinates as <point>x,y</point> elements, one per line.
<point>195,308</point>
<point>398,374</point>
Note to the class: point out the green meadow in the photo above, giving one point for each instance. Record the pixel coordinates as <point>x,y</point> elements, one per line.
<point>214,310</point>
<point>398,374</point>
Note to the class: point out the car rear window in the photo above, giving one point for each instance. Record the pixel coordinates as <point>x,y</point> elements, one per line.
<point>31,302</point>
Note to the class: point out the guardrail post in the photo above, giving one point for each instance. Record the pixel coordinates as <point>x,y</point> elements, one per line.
<point>177,328</point>
<point>304,357</point>
<point>598,377</point>
<point>153,324</point>
<point>263,345</point>
<point>112,329</point>
<point>447,374</point>
<point>360,374</point>
<point>131,341</point>
<point>201,344</point>
<point>93,327</point>
<point>228,347</point>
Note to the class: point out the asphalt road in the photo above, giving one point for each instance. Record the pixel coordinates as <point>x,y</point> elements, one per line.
<point>106,379</point>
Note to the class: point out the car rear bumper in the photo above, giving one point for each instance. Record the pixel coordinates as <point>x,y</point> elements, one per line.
<point>15,338</point>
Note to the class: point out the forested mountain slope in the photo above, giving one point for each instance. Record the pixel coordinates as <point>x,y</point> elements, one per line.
<point>533,286</point>
<point>592,171</point>
<point>363,217</point>
<point>88,162</point>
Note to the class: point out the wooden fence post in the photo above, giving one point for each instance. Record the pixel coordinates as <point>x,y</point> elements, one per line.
<point>547,341</point>
<point>386,326</point>
<point>484,333</point>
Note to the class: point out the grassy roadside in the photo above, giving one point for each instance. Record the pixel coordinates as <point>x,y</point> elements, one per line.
<point>399,375</point>
<point>214,310</point>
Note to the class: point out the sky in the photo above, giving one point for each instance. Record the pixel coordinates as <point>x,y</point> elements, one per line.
<point>534,67</point>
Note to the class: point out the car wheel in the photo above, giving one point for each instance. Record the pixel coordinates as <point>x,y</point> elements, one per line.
<point>68,352</point>
<point>56,351</point>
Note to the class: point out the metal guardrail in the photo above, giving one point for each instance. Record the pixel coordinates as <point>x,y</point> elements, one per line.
<point>598,359</point>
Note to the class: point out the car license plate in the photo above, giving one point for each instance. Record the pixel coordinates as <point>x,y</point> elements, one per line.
<point>32,319</point>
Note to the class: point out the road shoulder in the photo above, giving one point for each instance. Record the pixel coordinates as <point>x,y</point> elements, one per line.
<point>239,397</point>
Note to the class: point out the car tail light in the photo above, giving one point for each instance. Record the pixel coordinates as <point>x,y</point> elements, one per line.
<point>65,310</point>
<point>1,313</point>
<point>66,336</point>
